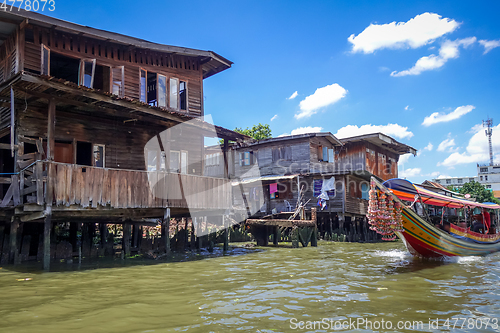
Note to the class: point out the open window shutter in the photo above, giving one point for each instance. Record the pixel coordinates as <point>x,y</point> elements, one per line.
<point>117,80</point>
<point>143,96</point>
<point>86,72</point>
<point>45,65</point>
<point>325,154</point>
<point>330,155</point>
<point>161,90</point>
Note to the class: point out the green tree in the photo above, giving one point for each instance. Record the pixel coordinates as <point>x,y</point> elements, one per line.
<point>453,188</point>
<point>478,191</point>
<point>258,132</point>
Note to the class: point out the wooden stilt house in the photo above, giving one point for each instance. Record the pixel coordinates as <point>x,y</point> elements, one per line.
<point>79,111</point>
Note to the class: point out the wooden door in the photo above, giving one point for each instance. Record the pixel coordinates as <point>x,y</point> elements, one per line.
<point>63,152</point>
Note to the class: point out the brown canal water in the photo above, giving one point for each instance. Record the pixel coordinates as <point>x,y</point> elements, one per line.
<point>266,290</point>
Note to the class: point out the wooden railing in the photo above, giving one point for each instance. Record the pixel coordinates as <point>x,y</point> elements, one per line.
<point>116,188</point>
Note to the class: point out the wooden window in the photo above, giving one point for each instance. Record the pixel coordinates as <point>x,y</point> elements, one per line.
<point>246,158</point>
<point>45,66</point>
<point>162,91</point>
<point>87,71</point>
<point>320,153</point>
<point>175,157</point>
<point>364,191</point>
<point>183,95</point>
<point>184,162</point>
<point>174,92</point>
<point>143,85</point>
<point>99,156</point>
<point>325,154</point>
<point>282,153</point>
<point>117,81</point>
<point>330,156</point>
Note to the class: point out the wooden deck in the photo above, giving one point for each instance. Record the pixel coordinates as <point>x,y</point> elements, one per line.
<point>87,187</point>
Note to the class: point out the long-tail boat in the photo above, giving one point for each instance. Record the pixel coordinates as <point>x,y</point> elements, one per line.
<point>392,212</point>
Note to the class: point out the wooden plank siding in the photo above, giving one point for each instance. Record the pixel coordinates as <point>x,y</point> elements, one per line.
<point>90,187</point>
<point>106,53</point>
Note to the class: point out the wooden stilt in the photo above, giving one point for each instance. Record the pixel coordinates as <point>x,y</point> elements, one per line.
<point>13,251</point>
<point>166,223</point>
<point>126,238</point>
<point>186,235</point>
<point>192,242</point>
<point>46,239</point>
<point>226,232</point>
<point>295,237</point>
<point>276,235</point>
<point>198,233</point>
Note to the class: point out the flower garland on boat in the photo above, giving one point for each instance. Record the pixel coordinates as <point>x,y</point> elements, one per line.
<point>384,215</point>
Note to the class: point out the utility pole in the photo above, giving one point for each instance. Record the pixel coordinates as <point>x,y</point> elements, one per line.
<point>489,123</point>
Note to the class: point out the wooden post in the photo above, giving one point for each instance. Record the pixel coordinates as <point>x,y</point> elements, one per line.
<point>51,130</point>
<point>314,235</point>
<point>166,225</point>
<point>13,252</point>
<point>226,232</point>
<point>295,237</point>
<point>198,232</point>
<point>276,235</point>
<point>126,238</point>
<point>186,239</point>
<point>224,152</point>
<point>103,231</point>
<point>12,122</point>
<point>46,238</point>
<point>192,242</point>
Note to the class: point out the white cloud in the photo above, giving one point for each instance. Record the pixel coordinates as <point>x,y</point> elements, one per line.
<point>295,94</point>
<point>307,129</point>
<point>443,176</point>
<point>429,147</point>
<point>410,172</point>
<point>418,31</point>
<point>395,130</point>
<point>437,117</point>
<point>477,150</point>
<point>404,158</point>
<point>448,50</point>
<point>321,98</point>
<point>448,143</point>
<point>434,174</point>
<point>407,107</point>
<point>274,117</point>
<point>489,44</point>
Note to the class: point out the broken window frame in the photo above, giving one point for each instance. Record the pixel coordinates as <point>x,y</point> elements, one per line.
<point>45,62</point>
<point>143,87</point>
<point>81,72</point>
<point>103,156</point>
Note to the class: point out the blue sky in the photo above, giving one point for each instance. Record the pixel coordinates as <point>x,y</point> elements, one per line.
<point>426,73</point>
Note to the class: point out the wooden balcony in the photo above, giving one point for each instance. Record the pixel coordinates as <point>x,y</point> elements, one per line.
<point>85,188</point>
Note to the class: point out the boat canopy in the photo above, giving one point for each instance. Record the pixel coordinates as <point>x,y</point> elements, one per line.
<point>406,190</point>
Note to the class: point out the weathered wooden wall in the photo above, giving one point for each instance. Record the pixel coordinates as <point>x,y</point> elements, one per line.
<point>101,187</point>
<point>124,142</point>
<point>18,51</point>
